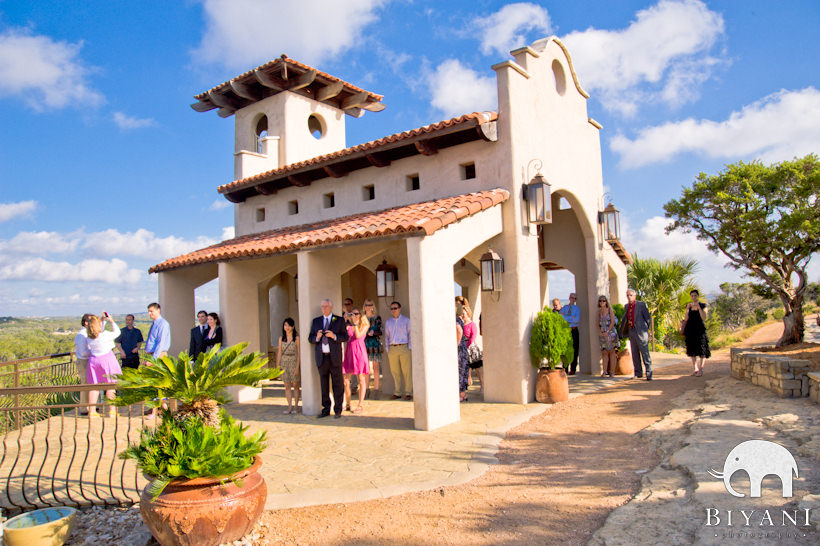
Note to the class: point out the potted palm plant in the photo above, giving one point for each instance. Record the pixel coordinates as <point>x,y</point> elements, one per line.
<point>551,345</point>
<point>204,486</point>
<point>624,366</point>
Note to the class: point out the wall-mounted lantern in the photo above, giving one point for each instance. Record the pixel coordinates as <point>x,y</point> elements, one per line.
<point>492,266</point>
<point>386,277</point>
<point>539,201</point>
<point>610,219</point>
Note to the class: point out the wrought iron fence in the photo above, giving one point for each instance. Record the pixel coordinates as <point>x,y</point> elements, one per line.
<point>62,454</point>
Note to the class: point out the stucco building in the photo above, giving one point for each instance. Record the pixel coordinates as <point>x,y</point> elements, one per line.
<point>315,219</point>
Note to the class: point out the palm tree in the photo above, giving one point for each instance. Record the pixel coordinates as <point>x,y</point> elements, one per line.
<point>195,384</point>
<point>661,284</point>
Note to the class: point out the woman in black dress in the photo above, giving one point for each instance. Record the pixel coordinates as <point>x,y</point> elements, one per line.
<point>697,341</point>
<point>215,333</point>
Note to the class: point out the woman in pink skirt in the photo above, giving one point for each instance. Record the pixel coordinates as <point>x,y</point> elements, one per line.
<point>102,364</point>
<point>355,361</point>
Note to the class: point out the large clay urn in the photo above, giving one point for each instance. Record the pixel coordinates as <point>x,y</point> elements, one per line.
<point>204,511</point>
<point>624,366</point>
<point>552,386</point>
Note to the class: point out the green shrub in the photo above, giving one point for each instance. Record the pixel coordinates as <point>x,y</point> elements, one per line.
<point>778,314</point>
<point>761,315</point>
<point>620,313</point>
<point>193,449</point>
<point>550,340</point>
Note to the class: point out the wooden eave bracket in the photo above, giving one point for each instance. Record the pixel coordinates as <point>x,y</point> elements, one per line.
<point>244,91</point>
<point>329,91</point>
<point>335,171</point>
<point>268,81</point>
<point>488,131</point>
<point>203,105</point>
<point>355,101</point>
<point>426,147</point>
<point>267,188</point>
<point>377,160</point>
<point>298,181</point>
<point>303,80</point>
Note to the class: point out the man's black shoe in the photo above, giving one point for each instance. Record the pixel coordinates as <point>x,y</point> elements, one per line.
<point>337,416</point>
<point>323,414</point>
<point>649,376</point>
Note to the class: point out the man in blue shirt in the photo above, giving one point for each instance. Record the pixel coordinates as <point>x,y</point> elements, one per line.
<point>128,342</point>
<point>159,336</point>
<point>572,314</point>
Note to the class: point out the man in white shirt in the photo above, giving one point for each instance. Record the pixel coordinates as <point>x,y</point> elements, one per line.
<point>82,353</point>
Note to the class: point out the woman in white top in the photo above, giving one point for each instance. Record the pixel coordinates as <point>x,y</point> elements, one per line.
<point>102,364</point>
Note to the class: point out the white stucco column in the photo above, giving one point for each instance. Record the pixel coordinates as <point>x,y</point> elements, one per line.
<point>434,354</point>
<point>176,298</point>
<point>318,279</point>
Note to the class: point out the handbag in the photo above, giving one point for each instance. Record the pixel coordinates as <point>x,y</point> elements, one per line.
<point>623,328</point>
<point>474,354</point>
<point>683,327</point>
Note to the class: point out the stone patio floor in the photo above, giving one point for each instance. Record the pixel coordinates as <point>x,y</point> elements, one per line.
<point>378,453</point>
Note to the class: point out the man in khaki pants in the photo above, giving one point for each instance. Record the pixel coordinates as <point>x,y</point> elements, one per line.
<point>397,343</point>
<point>82,353</point>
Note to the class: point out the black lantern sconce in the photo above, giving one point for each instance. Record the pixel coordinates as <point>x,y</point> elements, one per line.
<point>492,266</point>
<point>610,219</point>
<point>386,277</point>
<point>539,201</point>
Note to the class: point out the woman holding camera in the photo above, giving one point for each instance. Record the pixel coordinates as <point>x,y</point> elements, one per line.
<point>102,364</point>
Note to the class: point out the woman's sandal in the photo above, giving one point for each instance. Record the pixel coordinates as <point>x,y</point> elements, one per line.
<point>347,408</point>
<point>699,373</point>
<point>358,410</point>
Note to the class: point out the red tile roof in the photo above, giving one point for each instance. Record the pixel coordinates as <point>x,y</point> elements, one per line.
<point>413,220</point>
<point>284,59</point>
<point>475,118</point>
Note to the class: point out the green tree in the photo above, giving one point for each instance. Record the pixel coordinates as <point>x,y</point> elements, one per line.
<point>765,220</point>
<point>737,302</point>
<point>661,284</point>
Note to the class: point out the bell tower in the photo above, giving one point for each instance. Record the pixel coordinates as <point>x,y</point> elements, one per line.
<point>285,112</point>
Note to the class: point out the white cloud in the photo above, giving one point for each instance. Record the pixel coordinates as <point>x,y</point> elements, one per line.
<point>778,127</point>
<point>228,233</point>
<point>667,47</point>
<point>141,243</point>
<point>40,242</point>
<point>457,89</point>
<point>13,210</point>
<point>243,33</point>
<point>113,271</point>
<point>43,72</point>
<point>220,204</point>
<point>127,122</point>
<point>507,28</point>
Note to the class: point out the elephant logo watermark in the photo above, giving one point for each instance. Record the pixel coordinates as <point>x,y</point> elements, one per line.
<point>759,458</point>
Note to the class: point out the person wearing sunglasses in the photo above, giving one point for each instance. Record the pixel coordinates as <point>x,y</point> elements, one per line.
<point>608,337</point>
<point>397,344</point>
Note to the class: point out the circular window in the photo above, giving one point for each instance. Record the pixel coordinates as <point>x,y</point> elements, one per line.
<point>316,126</point>
<point>560,78</point>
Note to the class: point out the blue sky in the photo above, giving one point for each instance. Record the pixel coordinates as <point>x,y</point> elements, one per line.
<point>105,170</point>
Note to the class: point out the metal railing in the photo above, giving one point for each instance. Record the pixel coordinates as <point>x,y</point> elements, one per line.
<point>53,455</point>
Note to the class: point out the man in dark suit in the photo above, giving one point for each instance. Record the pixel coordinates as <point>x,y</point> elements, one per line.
<point>638,321</point>
<point>327,333</point>
<point>198,334</point>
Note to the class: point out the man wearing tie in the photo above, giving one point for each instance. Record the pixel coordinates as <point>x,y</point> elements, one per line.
<point>572,314</point>
<point>327,333</point>
<point>198,334</point>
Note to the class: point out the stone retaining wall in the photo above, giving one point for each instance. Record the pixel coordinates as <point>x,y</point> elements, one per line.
<point>814,386</point>
<point>789,378</point>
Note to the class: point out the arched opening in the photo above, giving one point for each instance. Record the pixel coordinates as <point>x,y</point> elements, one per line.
<point>260,133</point>
<point>316,126</point>
<point>560,77</point>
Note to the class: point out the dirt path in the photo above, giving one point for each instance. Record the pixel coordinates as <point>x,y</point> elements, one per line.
<point>559,476</point>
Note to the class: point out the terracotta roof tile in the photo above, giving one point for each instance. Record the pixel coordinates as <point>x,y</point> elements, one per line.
<point>417,219</point>
<point>480,117</point>
<point>291,62</point>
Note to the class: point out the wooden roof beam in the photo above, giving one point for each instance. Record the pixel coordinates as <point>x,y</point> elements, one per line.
<point>426,147</point>
<point>354,112</point>
<point>225,112</point>
<point>267,188</point>
<point>335,171</point>
<point>377,160</point>
<point>224,101</point>
<point>267,80</point>
<point>329,91</point>
<point>244,91</point>
<point>354,101</point>
<point>303,80</point>
<point>374,106</point>
<point>298,180</point>
<point>203,106</point>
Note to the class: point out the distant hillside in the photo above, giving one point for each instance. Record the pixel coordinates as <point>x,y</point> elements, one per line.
<point>28,337</point>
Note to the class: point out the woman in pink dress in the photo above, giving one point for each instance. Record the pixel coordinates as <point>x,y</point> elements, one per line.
<point>355,361</point>
<point>102,364</point>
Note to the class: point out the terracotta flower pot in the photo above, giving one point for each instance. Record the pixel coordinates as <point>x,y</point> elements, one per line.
<point>624,366</point>
<point>203,511</point>
<point>552,386</point>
